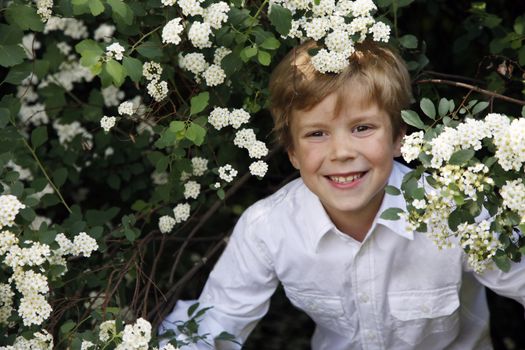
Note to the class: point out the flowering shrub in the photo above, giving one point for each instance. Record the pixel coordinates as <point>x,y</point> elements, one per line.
<point>124,127</point>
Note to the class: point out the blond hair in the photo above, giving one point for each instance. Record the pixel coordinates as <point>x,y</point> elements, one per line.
<point>375,69</point>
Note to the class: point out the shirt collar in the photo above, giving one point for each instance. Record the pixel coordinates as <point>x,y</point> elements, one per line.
<point>318,223</point>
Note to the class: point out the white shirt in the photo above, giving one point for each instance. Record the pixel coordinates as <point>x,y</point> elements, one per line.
<point>394,290</point>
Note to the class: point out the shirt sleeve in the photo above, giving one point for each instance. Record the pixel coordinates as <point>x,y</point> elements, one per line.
<point>509,284</point>
<point>238,290</point>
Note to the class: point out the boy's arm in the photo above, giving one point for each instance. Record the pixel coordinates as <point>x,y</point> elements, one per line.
<point>510,284</point>
<point>238,289</point>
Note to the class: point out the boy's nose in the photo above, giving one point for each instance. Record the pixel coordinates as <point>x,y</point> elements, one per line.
<point>343,147</point>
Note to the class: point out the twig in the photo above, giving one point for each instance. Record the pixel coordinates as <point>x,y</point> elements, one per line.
<point>471,87</point>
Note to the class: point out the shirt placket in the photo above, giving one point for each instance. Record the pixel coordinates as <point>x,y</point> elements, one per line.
<point>363,272</point>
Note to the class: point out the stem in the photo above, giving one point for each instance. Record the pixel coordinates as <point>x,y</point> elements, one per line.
<point>41,166</point>
<point>471,87</point>
<point>142,39</point>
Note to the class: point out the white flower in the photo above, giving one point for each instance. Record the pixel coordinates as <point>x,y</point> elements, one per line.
<point>104,32</point>
<point>238,117</point>
<point>107,123</point>
<point>171,31</point>
<point>34,309</point>
<point>219,118</point>
<point>181,212</point>
<point>125,108</point>
<point>9,208</point>
<point>115,51</point>
<point>86,345</point>
<point>166,223</point>
<point>191,189</point>
<point>84,244</point>
<point>216,14</point>
<point>325,8</point>
<point>168,2</point>
<point>258,168</point>
<point>317,28</point>
<point>33,114</point>
<point>7,240</point>
<point>220,53</point>
<point>227,173</point>
<point>159,178</point>
<point>380,31</point>
<point>191,7</point>
<point>329,61</point>
<point>44,9</point>
<point>193,62</point>
<point>151,70</point>
<point>513,195</point>
<point>6,303</point>
<point>257,150</point>
<point>359,25</point>
<point>362,7</point>
<point>107,330</point>
<point>199,35</point>
<point>137,336</point>
<point>66,246</point>
<point>214,75</point>
<point>158,90</point>
<point>112,96</point>
<point>244,138</point>
<point>199,166</point>
<point>412,146</point>
<point>419,203</point>
<point>64,48</point>
<point>339,41</point>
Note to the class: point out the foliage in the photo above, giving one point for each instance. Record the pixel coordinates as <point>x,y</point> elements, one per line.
<point>108,124</point>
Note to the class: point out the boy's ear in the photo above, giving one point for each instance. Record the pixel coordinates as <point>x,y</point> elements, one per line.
<point>399,140</point>
<point>293,158</point>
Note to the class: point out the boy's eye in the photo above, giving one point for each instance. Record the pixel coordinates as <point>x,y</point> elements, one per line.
<point>361,128</point>
<point>315,134</point>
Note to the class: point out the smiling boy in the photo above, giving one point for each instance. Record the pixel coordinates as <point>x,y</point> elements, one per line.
<point>368,283</point>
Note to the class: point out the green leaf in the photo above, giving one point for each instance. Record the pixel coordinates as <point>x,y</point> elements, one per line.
<point>408,41</point>
<point>24,17</point>
<point>11,55</point>
<point>461,157</point>
<point>196,134</point>
<point>428,107</point>
<point>150,49</point>
<point>39,136</point>
<point>264,58</point>
<point>122,10</point>
<point>443,107</point>
<point>192,309</point>
<point>10,34</point>
<point>480,107</point>
<point>134,68</point>
<point>392,190</point>
<point>60,176</point>
<point>249,52</point>
<point>67,327</point>
<point>270,43</point>
<point>281,19</point>
<point>199,102</point>
<point>116,71</point>
<point>96,7</point>
<point>5,114</point>
<point>412,118</point>
<point>391,214</point>
<point>502,262</point>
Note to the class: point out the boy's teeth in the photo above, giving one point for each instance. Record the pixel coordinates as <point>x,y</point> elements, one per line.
<point>345,179</point>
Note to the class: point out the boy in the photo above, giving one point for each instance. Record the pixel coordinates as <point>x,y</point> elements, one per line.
<point>366,282</point>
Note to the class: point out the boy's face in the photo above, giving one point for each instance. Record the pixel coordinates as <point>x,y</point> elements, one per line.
<point>345,158</point>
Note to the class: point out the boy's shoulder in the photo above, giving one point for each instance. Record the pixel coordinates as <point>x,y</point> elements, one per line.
<point>281,205</point>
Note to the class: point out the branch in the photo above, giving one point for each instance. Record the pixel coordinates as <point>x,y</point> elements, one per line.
<point>471,87</point>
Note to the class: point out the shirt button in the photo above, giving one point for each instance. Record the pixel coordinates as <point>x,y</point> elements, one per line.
<point>364,298</point>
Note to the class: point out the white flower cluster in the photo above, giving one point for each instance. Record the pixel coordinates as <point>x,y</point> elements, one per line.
<point>171,31</point>
<point>513,195</point>
<point>508,138</point>
<point>227,173</point>
<point>115,51</point>
<point>136,336</point>
<point>9,208</point>
<point>71,27</point>
<point>192,189</point>
<point>44,9</point>
<point>112,96</point>
<point>107,330</point>
<point>222,117</point>
<point>480,242</point>
<point>196,63</point>
<point>104,32</point>
<point>158,89</point>
<point>181,213</point>
<point>41,340</point>
<point>125,108</point>
<point>107,123</point>
<point>245,138</point>
<point>151,70</point>
<point>258,168</point>
<point>412,146</point>
<point>339,23</point>
<point>199,166</point>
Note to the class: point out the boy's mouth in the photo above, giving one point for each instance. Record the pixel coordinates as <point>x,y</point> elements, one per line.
<point>346,179</point>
